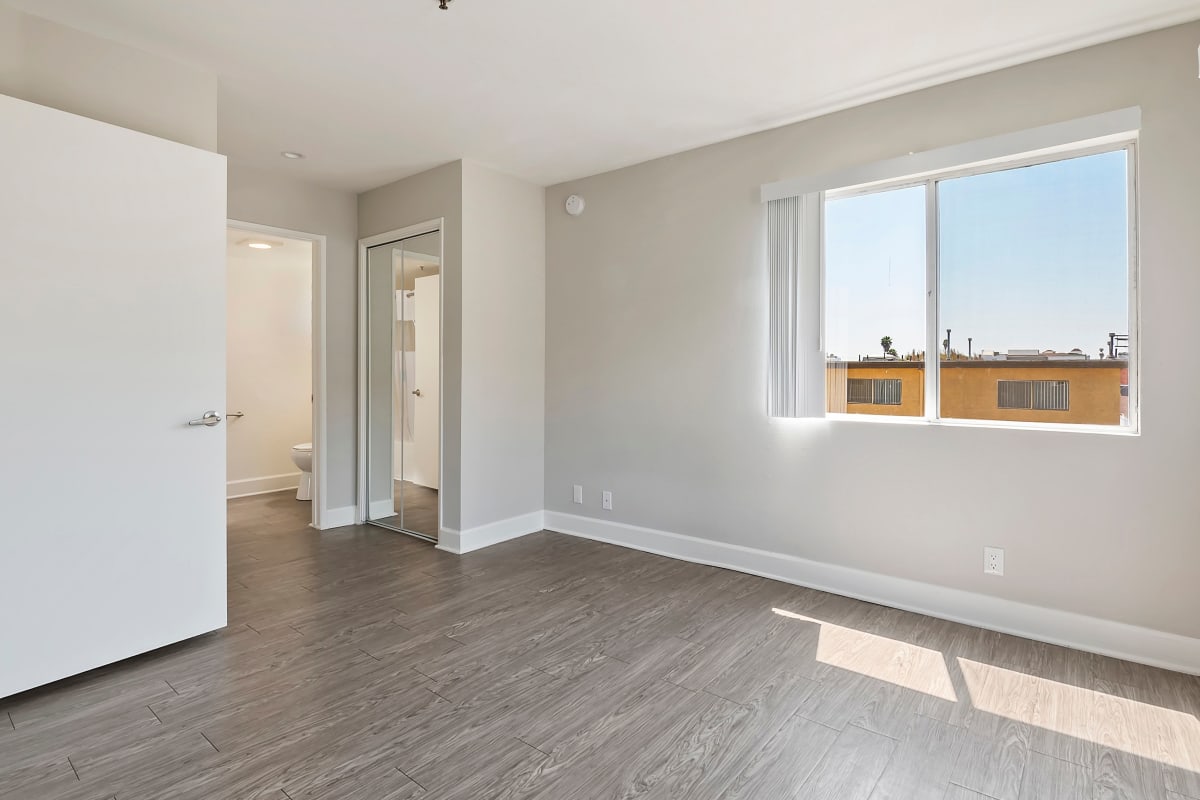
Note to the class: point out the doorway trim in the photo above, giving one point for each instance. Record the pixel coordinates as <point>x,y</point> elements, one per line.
<point>436,225</point>
<point>320,428</point>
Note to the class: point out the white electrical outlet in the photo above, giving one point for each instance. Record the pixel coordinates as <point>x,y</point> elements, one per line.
<point>606,501</point>
<point>993,560</point>
<point>578,496</point>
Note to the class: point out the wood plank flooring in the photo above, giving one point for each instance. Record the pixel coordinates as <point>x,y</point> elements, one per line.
<point>365,665</point>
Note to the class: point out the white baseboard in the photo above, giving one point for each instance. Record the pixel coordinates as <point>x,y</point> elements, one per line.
<point>450,540</point>
<point>266,484</point>
<point>337,518</point>
<point>460,542</point>
<point>1119,640</point>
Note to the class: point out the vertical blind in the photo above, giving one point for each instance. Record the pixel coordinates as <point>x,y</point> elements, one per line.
<point>783,242</point>
<point>797,359</point>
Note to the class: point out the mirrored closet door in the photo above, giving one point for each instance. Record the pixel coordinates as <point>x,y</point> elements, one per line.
<point>403,381</point>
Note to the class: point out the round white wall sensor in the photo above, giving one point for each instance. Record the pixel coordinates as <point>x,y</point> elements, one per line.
<point>575,205</point>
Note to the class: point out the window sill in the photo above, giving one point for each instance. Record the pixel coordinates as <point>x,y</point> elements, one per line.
<point>1054,427</point>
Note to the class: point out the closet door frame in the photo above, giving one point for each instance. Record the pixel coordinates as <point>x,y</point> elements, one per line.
<point>429,226</point>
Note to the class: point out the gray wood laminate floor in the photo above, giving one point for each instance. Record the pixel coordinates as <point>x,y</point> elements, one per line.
<point>364,665</point>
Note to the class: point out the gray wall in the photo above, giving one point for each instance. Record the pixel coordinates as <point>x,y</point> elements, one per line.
<point>56,66</point>
<point>656,358</point>
<point>432,194</point>
<point>504,346</point>
<point>269,199</point>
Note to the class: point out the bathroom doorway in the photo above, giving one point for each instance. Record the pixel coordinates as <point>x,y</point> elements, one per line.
<point>401,326</point>
<point>274,365</point>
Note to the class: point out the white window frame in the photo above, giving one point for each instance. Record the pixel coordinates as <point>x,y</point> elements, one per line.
<point>930,180</point>
<point>796,366</point>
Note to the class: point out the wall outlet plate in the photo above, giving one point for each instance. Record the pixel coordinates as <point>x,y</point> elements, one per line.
<point>578,495</point>
<point>606,501</point>
<point>993,561</point>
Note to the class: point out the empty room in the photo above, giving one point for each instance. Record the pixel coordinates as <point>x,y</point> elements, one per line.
<point>705,399</point>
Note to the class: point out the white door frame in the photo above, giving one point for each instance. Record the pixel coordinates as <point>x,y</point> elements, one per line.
<point>429,226</point>
<point>320,428</point>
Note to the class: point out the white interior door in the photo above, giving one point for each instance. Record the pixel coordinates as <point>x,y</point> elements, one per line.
<point>113,324</point>
<point>427,423</point>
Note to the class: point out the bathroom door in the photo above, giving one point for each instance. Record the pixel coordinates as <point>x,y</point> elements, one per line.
<point>113,331</point>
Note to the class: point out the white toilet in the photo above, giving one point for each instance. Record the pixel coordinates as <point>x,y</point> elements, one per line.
<point>302,458</point>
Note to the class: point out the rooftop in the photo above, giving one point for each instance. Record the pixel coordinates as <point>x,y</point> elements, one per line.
<point>983,363</point>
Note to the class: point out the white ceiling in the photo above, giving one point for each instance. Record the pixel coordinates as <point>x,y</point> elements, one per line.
<point>374,90</point>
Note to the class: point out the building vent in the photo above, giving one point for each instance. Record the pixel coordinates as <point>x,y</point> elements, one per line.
<point>859,391</point>
<point>1035,395</point>
<point>887,391</point>
<point>1051,395</point>
<point>874,391</point>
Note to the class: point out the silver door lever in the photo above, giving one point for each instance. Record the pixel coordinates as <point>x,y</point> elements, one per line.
<point>209,419</point>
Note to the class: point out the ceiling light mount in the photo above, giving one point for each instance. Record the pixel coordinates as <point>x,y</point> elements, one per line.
<point>444,5</point>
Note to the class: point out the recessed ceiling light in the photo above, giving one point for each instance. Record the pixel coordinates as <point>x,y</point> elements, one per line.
<point>259,244</point>
<point>291,154</point>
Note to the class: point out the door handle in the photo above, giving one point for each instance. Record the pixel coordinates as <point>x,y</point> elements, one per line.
<point>209,419</point>
<point>417,392</point>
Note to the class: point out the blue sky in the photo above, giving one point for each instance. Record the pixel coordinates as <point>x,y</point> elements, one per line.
<point>1030,258</point>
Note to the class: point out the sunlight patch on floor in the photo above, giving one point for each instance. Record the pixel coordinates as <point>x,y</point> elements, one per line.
<point>1142,729</point>
<point>901,663</point>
